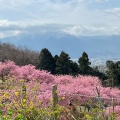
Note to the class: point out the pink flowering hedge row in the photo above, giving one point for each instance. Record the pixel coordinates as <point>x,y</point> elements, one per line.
<point>80,89</point>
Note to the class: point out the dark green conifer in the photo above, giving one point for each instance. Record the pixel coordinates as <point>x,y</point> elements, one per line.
<point>46,61</point>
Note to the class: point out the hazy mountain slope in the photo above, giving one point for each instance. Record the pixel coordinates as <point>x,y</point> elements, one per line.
<point>95,46</point>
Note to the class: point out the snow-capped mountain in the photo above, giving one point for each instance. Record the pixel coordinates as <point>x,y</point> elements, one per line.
<point>96,46</point>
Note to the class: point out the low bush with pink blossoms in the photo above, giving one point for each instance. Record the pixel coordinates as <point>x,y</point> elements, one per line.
<point>81,90</point>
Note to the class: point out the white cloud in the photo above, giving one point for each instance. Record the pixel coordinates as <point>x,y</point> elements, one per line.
<point>70,12</point>
<point>8,29</point>
<point>77,15</point>
<point>91,31</point>
<point>15,3</point>
<point>2,35</point>
<point>9,33</point>
<point>101,1</point>
<point>114,11</point>
<point>43,10</point>
<point>4,23</point>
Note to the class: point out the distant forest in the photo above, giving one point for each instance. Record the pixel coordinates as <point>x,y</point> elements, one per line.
<point>60,64</point>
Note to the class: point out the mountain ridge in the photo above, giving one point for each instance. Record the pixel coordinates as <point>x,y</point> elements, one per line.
<point>95,46</point>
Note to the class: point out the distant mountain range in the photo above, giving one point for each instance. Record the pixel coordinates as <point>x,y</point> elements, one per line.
<point>95,46</point>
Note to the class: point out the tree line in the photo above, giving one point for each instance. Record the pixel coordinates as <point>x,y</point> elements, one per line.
<point>63,65</point>
<point>20,55</point>
<point>60,64</point>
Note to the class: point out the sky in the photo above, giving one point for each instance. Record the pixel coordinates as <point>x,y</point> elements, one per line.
<point>75,17</point>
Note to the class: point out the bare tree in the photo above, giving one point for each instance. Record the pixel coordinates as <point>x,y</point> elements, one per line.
<point>20,55</point>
